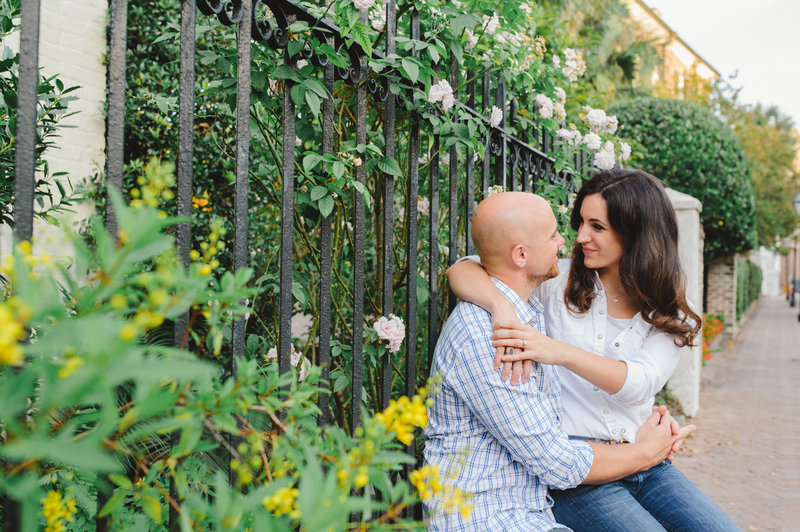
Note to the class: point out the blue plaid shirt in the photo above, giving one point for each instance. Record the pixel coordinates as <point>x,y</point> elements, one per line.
<point>502,444</point>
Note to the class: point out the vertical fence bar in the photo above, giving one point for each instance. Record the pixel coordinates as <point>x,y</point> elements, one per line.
<point>388,204</point>
<point>27,92</point>
<point>512,118</point>
<point>500,163</point>
<point>487,152</point>
<point>242,168</point>
<point>411,237</point>
<point>287,226</point>
<point>115,121</point>
<point>411,257</point>
<point>184,192</point>
<point>326,252</point>
<point>452,210</point>
<point>470,178</point>
<point>115,151</point>
<point>433,246</point>
<point>358,251</point>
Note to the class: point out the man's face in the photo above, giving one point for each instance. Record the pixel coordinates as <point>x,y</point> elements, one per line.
<point>542,250</point>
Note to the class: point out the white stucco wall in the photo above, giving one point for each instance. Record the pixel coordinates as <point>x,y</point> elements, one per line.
<point>685,382</point>
<point>72,43</point>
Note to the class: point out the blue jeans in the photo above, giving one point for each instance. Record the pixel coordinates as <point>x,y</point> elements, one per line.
<point>659,499</point>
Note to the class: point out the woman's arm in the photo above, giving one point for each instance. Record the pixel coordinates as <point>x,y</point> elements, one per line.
<point>470,282</point>
<point>529,344</point>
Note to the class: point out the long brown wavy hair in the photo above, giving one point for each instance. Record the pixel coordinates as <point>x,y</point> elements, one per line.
<point>640,212</point>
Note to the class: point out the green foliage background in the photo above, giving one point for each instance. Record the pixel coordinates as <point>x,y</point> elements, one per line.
<point>694,152</point>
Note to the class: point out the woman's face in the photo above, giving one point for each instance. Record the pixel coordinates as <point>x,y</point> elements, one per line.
<point>602,246</point>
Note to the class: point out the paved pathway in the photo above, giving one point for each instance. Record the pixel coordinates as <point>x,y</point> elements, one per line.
<point>746,451</point>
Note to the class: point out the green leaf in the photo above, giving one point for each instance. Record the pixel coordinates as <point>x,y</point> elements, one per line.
<point>313,102</point>
<point>121,480</point>
<point>299,293</point>
<point>411,69</point>
<point>326,205</point>
<point>152,507</point>
<point>318,192</point>
<point>389,166</point>
<point>361,33</point>
<point>310,161</point>
<point>338,169</point>
<point>112,504</point>
<point>285,72</point>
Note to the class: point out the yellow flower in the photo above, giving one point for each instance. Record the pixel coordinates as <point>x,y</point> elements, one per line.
<point>129,332</point>
<point>362,477</point>
<point>283,502</point>
<point>118,301</point>
<point>72,364</point>
<point>12,331</point>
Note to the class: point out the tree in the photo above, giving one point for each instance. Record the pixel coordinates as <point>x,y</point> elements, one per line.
<point>695,152</point>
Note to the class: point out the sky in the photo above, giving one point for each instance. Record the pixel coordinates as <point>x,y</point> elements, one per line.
<point>758,39</point>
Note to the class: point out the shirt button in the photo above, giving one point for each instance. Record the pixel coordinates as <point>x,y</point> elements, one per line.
<point>605,411</point>
<point>602,311</point>
<point>595,388</point>
<point>623,431</point>
<point>600,336</point>
<point>614,431</point>
<point>616,344</point>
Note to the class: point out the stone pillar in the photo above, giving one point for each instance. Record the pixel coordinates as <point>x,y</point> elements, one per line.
<point>685,382</point>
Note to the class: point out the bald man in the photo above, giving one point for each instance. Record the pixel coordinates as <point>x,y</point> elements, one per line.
<point>499,443</point>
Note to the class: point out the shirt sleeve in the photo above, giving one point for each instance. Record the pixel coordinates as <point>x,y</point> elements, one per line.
<point>473,258</point>
<point>649,368</point>
<point>520,417</point>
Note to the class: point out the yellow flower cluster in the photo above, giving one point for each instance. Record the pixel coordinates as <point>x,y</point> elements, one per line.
<point>13,316</point>
<point>57,511</point>
<point>283,501</point>
<point>429,484</point>
<point>201,202</point>
<point>250,451</point>
<point>152,310</point>
<point>25,251</point>
<point>155,185</point>
<point>402,415</point>
<point>353,469</point>
<point>210,248</point>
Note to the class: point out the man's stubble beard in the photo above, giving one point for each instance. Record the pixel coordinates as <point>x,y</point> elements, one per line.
<point>536,280</point>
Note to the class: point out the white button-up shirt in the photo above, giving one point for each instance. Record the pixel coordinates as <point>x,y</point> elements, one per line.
<point>651,356</point>
<point>502,444</point>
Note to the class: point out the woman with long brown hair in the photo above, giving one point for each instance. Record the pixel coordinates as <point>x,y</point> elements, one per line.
<point>617,323</point>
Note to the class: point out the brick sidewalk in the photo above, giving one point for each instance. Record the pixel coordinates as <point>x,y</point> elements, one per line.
<point>746,451</point>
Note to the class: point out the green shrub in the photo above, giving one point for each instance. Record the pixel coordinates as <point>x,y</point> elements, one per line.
<point>748,285</point>
<point>694,152</point>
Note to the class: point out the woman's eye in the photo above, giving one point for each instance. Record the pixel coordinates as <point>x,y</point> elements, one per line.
<point>597,227</point>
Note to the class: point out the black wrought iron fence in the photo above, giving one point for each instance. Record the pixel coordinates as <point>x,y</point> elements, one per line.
<point>516,164</point>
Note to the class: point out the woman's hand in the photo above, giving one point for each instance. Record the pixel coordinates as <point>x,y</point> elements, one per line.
<point>525,343</point>
<point>503,315</point>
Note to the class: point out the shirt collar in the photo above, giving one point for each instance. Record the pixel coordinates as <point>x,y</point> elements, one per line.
<point>527,311</point>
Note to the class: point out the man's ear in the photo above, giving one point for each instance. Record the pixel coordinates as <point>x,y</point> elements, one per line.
<point>519,256</point>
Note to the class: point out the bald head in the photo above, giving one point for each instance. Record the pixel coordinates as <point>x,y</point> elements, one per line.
<point>516,236</point>
<point>505,220</point>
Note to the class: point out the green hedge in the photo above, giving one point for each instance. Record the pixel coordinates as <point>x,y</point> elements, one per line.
<point>694,152</point>
<point>748,285</point>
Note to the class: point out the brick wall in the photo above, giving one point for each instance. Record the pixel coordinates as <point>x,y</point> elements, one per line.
<point>72,44</point>
<point>721,291</point>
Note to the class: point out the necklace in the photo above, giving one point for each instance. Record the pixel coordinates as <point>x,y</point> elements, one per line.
<point>616,299</point>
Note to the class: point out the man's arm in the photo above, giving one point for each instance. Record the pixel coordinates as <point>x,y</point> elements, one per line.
<point>655,439</point>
